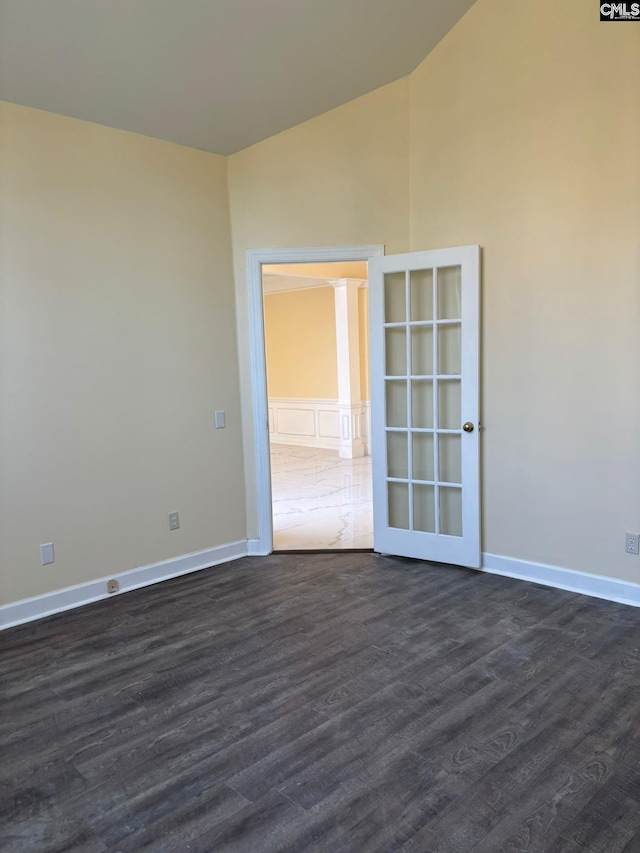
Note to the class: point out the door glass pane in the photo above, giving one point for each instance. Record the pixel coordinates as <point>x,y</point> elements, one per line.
<point>449,355</point>
<point>398,505</point>
<point>421,285</point>
<point>450,511</point>
<point>395,302</point>
<point>396,404</point>
<point>424,509</point>
<point>422,404</point>
<point>450,458</point>
<point>449,406</point>
<point>449,290</point>
<point>397,455</point>
<point>423,467</point>
<point>422,350</point>
<point>396,351</point>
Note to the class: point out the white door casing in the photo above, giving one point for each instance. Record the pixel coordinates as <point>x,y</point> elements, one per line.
<point>255,258</point>
<point>424,337</point>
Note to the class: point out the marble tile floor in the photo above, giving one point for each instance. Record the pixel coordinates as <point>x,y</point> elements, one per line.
<point>320,500</point>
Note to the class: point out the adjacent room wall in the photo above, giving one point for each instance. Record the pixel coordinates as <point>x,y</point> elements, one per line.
<point>300,332</point>
<point>118,343</point>
<point>302,364</point>
<point>522,131</point>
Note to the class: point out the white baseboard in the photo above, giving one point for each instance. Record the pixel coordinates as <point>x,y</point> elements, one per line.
<point>29,609</point>
<point>307,422</point>
<point>255,549</point>
<point>596,586</point>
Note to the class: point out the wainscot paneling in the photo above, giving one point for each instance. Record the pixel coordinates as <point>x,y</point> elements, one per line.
<point>311,422</point>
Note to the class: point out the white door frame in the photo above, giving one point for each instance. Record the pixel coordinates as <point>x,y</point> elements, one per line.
<point>255,260</point>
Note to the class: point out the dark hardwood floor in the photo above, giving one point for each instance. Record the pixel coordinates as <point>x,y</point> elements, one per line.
<point>325,702</point>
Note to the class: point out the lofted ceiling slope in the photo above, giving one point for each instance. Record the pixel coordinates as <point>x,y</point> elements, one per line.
<point>218,75</point>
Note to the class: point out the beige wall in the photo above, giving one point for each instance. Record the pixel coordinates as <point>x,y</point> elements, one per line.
<point>525,138</point>
<point>300,332</point>
<point>520,132</point>
<point>118,344</point>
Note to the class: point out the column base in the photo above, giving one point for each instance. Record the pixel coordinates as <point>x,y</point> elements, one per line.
<point>351,441</point>
<point>352,452</point>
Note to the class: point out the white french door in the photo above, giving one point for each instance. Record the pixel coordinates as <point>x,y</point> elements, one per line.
<point>424,321</point>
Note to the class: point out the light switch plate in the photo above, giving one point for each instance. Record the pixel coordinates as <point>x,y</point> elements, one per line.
<point>47,554</point>
<point>219,419</point>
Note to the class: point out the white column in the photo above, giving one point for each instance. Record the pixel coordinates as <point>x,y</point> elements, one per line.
<point>348,346</point>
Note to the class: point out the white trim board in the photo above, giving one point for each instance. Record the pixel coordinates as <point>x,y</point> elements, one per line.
<point>596,586</point>
<point>255,260</point>
<point>70,597</point>
<point>254,549</point>
<point>29,609</point>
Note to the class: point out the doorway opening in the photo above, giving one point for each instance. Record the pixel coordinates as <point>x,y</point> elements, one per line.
<point>318,402</point>
<point>256,259</point>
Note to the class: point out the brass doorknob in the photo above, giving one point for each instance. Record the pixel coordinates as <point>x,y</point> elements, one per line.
<point>468,427</point>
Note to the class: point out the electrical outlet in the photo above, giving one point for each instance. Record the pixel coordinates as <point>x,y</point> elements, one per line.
<point>632,543</point>
<point>174,521</point>
<point>47,554</point>
<point>113,586</point>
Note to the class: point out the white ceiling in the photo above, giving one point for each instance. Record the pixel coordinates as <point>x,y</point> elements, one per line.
<point>213,74</point>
